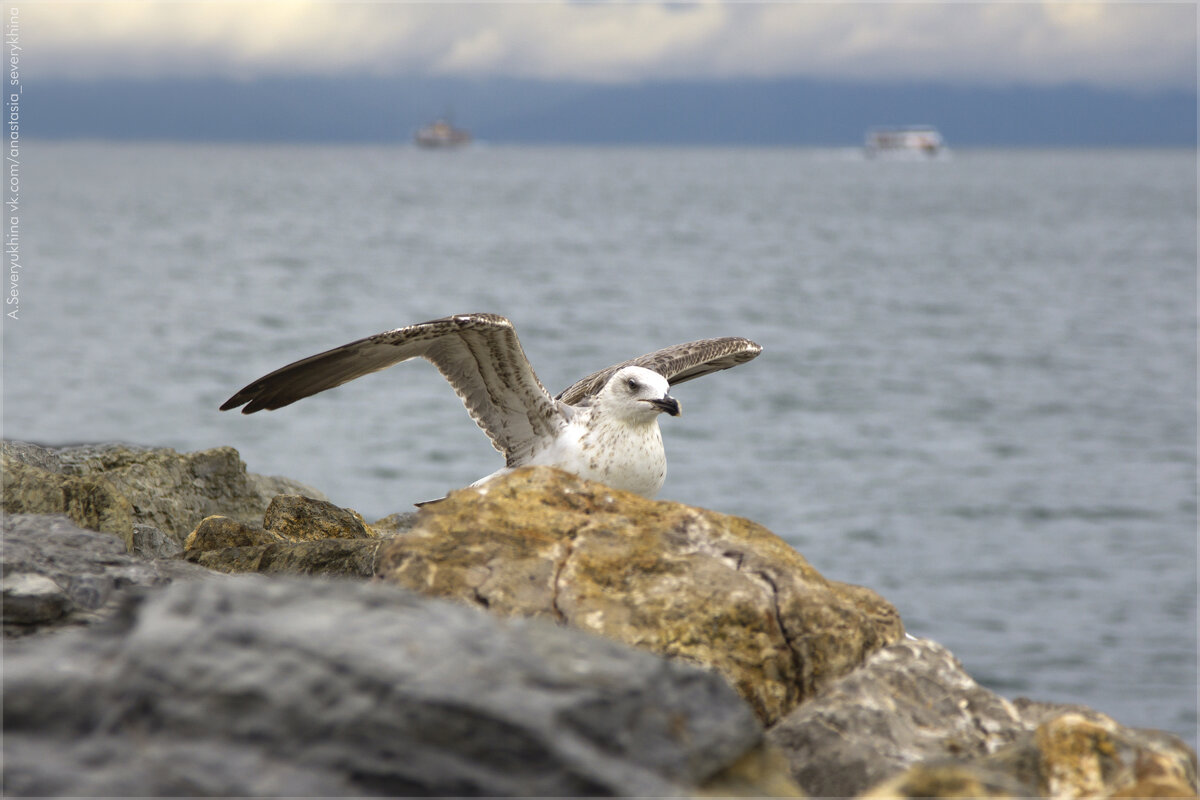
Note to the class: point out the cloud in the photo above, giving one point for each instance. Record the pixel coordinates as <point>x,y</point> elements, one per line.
<point>1125,45</point>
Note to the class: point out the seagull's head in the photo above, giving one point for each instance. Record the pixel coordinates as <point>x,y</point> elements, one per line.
<point>638,394</point>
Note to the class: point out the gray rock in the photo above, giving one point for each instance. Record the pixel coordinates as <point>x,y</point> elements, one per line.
<point>255,685</point>
<point>911,723</point>
<point>82,572</point>
<point>32,599</point>
<point>117,768</point>
<point>911,702</point>
<point>149,542</point>
<point>34,455</point>
<point>395,524</point>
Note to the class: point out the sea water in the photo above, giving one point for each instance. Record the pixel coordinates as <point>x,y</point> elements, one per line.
<point>977,391</point>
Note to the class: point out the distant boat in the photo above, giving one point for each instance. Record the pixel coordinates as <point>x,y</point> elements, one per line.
<point>922,141</point>
<point>441,134</point>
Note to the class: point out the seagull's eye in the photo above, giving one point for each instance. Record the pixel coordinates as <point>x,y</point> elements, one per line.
<point>632,384</point>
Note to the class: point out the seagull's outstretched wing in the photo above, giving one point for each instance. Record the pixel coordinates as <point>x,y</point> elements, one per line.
<point>677,364</point>
<point>479,355</point>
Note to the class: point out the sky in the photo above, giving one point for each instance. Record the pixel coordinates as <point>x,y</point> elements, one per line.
<point>1136,50</point>
<point>1111,45</point>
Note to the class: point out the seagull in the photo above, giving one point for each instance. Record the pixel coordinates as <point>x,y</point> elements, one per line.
<point>603,427</point>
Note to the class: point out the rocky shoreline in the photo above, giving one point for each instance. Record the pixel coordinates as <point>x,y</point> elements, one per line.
<point>177,625</point>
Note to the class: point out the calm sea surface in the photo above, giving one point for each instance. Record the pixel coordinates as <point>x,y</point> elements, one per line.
<point>977,393</point>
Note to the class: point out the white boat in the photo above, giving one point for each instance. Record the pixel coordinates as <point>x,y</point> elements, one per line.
<point>922,141</point>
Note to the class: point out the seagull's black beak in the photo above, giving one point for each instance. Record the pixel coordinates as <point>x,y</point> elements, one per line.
<point>666,403</point>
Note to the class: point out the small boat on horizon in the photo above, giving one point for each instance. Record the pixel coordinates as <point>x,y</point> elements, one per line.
<point>441,134</point>
<point>923,141</point>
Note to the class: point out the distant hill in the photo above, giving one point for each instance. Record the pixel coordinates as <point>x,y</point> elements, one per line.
<point>749,112</point>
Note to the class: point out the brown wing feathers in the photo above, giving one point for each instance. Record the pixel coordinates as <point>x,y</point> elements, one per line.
<point>314,374</point>
<point>478,354</point>
<point>679,363</point>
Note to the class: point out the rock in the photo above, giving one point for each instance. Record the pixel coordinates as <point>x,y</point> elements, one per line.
<point>58,574</point>
<point>91,501</point>
<point>1077,752</point>
<point>32,599</point>
<point>300,536</point>
<point>149,542</point>
<point>762,772</point>
<point>349,558</point>
<point>947,779</point>
<point>180,769</point>
<point>910,702</point>
<point>32,455</point>
<point>395,524</point>
<point>302,519</point>
<point>249,686</point>
<point>110,487</point>
<point>911,723</point>
<point>217,533</point>
<point>683,582</point>
<point>311,687</point>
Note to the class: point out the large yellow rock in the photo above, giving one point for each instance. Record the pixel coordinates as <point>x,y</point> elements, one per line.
<point>680,581</point>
